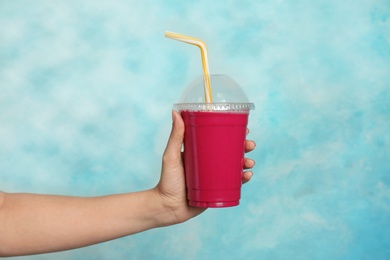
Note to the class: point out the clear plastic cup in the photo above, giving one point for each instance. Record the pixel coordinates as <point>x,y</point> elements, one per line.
<point>214,141</point>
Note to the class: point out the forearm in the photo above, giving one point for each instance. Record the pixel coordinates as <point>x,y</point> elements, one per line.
<point>40,223</point>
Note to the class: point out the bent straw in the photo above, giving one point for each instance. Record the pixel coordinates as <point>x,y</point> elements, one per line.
<point>203,51</point>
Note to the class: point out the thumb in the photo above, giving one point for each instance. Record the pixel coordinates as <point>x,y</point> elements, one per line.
<point>176,137</point>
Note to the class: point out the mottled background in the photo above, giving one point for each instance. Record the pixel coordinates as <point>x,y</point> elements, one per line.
<point>86,92</point>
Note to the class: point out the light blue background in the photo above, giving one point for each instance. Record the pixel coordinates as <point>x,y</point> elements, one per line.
<point>86,92</point>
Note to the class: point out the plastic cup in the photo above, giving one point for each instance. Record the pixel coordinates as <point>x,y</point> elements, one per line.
<point>214,142</point>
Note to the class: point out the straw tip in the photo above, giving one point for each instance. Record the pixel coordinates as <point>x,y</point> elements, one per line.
<point>168,33</point>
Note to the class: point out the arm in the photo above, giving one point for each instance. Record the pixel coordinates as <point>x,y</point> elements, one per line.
<point>33,224</point>
<point>42,223</point>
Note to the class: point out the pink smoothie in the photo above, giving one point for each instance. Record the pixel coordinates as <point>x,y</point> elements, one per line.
<point>214,157</point>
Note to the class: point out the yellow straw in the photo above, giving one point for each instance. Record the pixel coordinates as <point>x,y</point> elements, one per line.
<point>203,51</point>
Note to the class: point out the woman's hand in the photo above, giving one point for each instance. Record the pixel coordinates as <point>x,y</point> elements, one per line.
<point>171,188</point>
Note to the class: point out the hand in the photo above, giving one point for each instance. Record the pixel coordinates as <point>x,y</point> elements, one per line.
<point>171,188</point>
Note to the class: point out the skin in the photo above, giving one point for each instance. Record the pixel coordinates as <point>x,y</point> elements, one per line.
<point>34,224</point>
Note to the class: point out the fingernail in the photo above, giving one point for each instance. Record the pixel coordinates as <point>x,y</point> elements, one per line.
<point>249,174</point>
<point>252,162</point>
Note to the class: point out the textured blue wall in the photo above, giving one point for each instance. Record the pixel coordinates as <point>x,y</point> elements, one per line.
<point>86,90</point>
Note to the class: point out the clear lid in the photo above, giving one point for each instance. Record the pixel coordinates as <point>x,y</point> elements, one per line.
<point>227,96</point>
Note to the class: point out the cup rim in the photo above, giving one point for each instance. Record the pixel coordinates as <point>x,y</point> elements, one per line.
<point>215,106</point>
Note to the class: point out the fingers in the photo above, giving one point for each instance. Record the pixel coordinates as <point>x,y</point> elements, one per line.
<point>249,145</point>
<point>248,163</point>
<point>246,176</point>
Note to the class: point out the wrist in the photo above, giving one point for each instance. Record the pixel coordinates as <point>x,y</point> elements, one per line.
<point>165,211</point>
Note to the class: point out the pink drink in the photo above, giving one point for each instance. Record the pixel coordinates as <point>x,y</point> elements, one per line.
<point>214,156</point>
